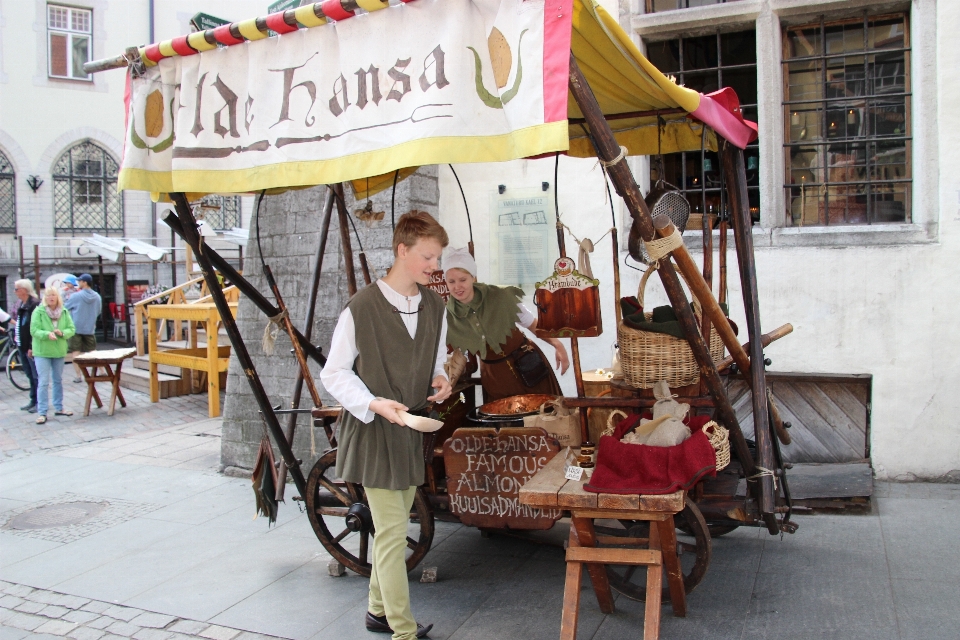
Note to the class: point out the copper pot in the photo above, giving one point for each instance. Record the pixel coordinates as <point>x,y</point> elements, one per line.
<point>515,406</point>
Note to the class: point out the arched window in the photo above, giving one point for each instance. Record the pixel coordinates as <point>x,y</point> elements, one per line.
<point>85,196</point>
<point>8,201</point>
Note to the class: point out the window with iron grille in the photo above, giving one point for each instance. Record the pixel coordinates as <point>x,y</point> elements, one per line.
<point>69,40</point>
<point>85,197</point>
<point>706,64</point>
<point>221,212</point>
<point>8,201</point>
<point>654,6</point>
<point>847,138</point>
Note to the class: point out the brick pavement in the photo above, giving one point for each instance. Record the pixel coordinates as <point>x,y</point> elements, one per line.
<point>20,434</point>
<point>27,613</point>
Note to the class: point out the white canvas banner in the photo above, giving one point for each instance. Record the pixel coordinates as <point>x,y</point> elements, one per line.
<point>431,81</point>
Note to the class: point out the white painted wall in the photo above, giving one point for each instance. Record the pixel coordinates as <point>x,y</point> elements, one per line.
<point>883,302</point>
<point>41,117</point>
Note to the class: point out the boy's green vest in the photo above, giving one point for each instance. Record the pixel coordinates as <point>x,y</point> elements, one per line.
<point>392,365</point>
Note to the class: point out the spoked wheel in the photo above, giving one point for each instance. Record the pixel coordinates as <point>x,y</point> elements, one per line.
<point>694,549</point>
<point>341,519</point>
<point>16,373</point>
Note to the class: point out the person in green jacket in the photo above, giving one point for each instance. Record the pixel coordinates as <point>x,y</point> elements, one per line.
<point>50,327</point>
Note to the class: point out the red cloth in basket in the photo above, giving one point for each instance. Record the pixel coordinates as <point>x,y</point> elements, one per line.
<point>637,468</point>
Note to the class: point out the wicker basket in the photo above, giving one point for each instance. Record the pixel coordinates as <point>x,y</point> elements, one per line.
<point>648,357</point>
<point>720,439</point>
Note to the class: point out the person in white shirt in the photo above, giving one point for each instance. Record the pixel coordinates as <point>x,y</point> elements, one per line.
<point>387,355</point>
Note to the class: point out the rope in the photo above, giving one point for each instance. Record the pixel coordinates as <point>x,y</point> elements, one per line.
<point>271,331</point>
<point>662,247</point>
<point>610,163</point>
<point>585,249</point>
<point>764,473</point>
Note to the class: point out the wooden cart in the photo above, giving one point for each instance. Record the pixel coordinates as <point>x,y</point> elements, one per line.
<point>336,509</point>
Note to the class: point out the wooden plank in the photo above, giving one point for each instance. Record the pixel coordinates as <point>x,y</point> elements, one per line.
<point>541,490</point>
<point>811,480</point>
<point>812,422</point>
<point>598,572</point>
<point>667,535</point>
<point>651,612</point>
<point>835,418</point>
<point>573,495</point>
<point>608,514</point>
<point>618,501</point>
<point>213,365</point>
<point>571,594</point>
<point>614,556</point>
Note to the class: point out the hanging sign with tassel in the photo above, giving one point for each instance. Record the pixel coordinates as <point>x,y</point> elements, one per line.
<point>568,303</point>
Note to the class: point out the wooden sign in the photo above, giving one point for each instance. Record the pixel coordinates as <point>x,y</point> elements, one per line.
<point>486,469</point>
<point>439,284</point>
<point>568,304</point>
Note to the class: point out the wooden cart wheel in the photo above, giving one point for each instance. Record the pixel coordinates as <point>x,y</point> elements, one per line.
<point>341,519</point>
<point>694,551</point>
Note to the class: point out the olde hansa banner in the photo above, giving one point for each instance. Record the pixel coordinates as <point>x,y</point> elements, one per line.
<point>431,81</point>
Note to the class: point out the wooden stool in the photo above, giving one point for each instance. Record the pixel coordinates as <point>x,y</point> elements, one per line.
<point>90,363</point>
<point>548,488</point>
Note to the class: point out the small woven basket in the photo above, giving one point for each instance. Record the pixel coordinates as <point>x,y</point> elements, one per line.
<point>648,357</point>
<point>720,439</point>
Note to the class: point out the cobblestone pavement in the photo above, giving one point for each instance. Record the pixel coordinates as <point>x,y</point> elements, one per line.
<point>27,614</point>
<point>20,434</point>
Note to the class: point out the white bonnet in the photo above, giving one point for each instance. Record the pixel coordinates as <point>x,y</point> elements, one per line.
<point>460,259</point>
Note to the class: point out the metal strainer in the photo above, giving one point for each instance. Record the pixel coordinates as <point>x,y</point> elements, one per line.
<point>663,199</point>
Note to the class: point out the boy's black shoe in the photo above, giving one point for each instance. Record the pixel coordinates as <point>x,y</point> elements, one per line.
<point>379,625</point>
<point>28,406</point>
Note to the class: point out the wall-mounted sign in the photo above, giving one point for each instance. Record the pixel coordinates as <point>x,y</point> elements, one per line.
<point>283,5</point>
<point>522,236</point>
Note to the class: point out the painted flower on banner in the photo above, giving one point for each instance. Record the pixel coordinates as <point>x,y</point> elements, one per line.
<point>501,58</point>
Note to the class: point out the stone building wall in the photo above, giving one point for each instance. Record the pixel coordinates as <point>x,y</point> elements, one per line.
<point>289,236</point>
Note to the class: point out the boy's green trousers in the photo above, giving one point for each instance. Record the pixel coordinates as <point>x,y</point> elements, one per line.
<point>389,590</point>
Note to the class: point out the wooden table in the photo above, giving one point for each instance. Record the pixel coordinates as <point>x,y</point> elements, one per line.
<point>91,362</point>
<point>548,488</point>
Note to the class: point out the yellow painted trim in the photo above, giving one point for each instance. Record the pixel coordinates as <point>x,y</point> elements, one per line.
<point>167,50</point>
<point>198,42</point>
<point>248,29</point>
<point>531,141</point>
<point>372,5</point>
<point>306,16</point>
<point>147,62</point>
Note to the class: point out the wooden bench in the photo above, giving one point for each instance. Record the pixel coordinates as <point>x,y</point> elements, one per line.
<point>111,362</point>
<point>548,488</point>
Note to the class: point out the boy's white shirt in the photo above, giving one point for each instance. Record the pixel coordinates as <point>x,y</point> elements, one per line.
<point>338,377</point>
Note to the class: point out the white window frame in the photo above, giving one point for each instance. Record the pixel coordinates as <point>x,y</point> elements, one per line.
<point>70,32</point>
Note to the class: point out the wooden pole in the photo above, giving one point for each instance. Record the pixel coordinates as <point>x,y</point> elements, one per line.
<point>126,298</point>
<point>701,291</point>
<point>22,270</point>
<point>308,333</point>
<point>346,247</point>
<point>173,259</point>
<point>574,348</point>
<point>736,177</point>
<point>722,285</point>
<point>188,225</point>
<point>103,315</point>
<point>608,149</point>
<point>36,267</point>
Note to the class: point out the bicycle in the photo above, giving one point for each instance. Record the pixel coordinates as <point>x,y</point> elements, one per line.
<point>12,365</point>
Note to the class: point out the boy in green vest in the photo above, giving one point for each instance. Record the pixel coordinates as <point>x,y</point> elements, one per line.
<point>386,354</point>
